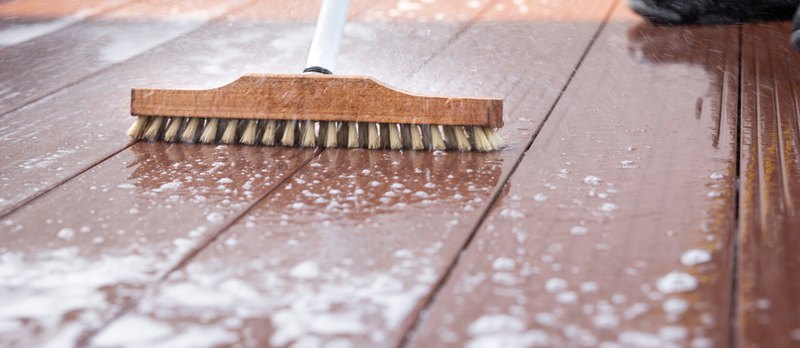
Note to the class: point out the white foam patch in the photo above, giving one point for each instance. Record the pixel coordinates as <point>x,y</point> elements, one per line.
<point>592,180</point>
<point>531,338</point>
<point>132,330</point>
<point>676,282</point>
<point>25,32</point>
<point>305,270</point>
<point>502,330</point>
<point>639,339</point>
<point>494,323</point>
<point>137,331</point>
<point>326,303</point>
<point>580,336</point>
<point>554,285</point>
<point>673,333</point>
<point>503,264</point>
<point>40,291</point>
<point>675,306</point>
<point>695,257</point>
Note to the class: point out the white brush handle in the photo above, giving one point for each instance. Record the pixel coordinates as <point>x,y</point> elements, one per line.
<point>327,36</point>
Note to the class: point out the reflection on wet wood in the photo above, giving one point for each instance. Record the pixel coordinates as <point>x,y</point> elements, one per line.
<point>56,60</point>
<point>24,20</point>
<point>768,277</point>
<point>606,235</point>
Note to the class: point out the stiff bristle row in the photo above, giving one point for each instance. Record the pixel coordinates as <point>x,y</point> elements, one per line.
<point>313,133</point>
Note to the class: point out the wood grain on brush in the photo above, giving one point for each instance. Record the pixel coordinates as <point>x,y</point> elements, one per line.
<point>317,98</point>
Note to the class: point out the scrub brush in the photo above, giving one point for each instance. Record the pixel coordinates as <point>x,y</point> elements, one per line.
<point>317,108</point>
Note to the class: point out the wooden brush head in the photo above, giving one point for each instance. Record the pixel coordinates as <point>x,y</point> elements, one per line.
<point>317,98</point>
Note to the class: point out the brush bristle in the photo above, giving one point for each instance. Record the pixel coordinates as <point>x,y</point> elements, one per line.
<point>373,140</point>
<point>426,135</point>
<point>494,137</point>
<point>341,135</point>
<point>154,129</point>
<point>352,134</point>
<point>462,139</point>
<point>210,131</point>
<point>308,135</point>
<point>174,127</point>
<point>229,135</point>
<point>288,138</point>
<point>405,135</point>
<point>395,142</point>
<point>323,134</point>
<point>437,140</point>
<point>480,140</point>
<point>249,134</point>
<point>363,134</point>
<point>384,135</point>
<point>415,136</point>
<point>456,138</point>
<point>190,131</point>
<point>138,127</point>
<point>330,139</point>
<point>312,133</point>
<point>270,131</point>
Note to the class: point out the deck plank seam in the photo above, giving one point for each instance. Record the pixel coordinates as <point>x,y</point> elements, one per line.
<point>13,208</point>
<point>439,285</point>
<point>794,121</point>
<point>734,268</point>
<point>461,31</point>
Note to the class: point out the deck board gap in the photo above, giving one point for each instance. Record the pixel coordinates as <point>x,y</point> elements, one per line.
<point>28,200</point>
<point>736,215</point>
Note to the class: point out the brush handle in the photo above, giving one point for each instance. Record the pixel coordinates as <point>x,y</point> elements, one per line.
<point>327,36</point>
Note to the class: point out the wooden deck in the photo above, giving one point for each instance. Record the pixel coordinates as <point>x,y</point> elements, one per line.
<point>649,195</point>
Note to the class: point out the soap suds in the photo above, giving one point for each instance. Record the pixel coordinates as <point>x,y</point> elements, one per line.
<point>503,264</point>
<point>695,257</point>
<point>676,282</point>
<point>305,270</point>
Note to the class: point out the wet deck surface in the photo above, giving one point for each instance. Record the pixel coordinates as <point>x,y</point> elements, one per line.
<point>648,195</point>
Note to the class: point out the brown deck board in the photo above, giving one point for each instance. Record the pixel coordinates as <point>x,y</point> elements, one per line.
<point>634,168</point>
<point>41,66</point>
<point>349,249</point>
<point>768,276</point>
<point>23,20</point>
